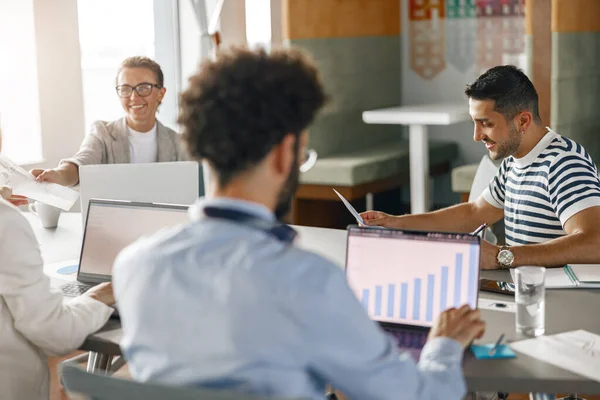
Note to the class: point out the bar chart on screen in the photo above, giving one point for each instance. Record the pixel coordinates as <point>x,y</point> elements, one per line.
<point>412,281</point>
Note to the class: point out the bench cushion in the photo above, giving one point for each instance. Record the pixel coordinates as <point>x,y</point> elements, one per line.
<point>462,178</point>
<point>380,162</point>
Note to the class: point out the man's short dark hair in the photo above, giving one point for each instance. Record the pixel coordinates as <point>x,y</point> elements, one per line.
<point>511,90</point>
<point>242,104</point>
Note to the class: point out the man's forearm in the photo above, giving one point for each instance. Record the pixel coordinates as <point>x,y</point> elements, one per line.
<point>576,248</point>
<point>459,218</point>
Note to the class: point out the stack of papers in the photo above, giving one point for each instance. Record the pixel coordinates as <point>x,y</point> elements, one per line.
<point>24,184</point>
<point>575,351</point>
<point>585,276</point>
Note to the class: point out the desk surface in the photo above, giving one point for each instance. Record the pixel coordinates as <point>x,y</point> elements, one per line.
<point>426,114</point>
<point>565,310</point>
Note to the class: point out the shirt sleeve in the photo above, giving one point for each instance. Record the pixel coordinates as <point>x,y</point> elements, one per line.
<point>352,353</point>
<point>573,185</point>
<point>38,312</point>
<point>494,194</point>
<point>91,150</point>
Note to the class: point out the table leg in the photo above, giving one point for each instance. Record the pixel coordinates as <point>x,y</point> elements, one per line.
<point>419,169</point>
<point>99,362</point>
<point>369,201</point>
<point>542,396</point>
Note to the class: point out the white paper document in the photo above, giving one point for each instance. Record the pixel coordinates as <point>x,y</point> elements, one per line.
<point>354,212</point>
<point>24,184</point>
<point>575,351</point>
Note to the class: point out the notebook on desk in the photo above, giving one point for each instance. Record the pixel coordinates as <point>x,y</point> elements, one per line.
<point>572,276</point>
<point>405,279</point>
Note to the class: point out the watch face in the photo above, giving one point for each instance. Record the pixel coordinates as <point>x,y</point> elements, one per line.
<point>505,257</point>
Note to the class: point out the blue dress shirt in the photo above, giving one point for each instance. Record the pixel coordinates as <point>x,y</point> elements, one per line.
<point>217,304</point>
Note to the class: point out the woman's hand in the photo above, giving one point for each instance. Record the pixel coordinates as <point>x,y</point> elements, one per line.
<point>6,193</point>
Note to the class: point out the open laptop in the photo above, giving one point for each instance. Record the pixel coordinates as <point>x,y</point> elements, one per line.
<point>110,227</point>
<point>164,182</point>
<point>405,279</point>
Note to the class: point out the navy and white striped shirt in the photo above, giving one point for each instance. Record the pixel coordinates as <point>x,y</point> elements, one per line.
<point>541,191</point>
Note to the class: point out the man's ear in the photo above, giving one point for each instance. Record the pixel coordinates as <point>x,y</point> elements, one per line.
<point>285,154</point>
<point>524,120</point>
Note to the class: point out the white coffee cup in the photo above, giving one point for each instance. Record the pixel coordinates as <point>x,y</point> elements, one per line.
<point>47,214</point>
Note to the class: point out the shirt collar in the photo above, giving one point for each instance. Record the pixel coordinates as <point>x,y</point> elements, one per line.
<point>537,150</point>
<point>150,134</point>
<point>256,209</point>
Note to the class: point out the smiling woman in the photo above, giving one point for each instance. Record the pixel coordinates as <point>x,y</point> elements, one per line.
<point>138,137</point>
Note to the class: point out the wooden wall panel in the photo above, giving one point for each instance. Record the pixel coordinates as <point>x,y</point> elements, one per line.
<point>311,19</point>
<point>575,15</point>
<point>541,11</point>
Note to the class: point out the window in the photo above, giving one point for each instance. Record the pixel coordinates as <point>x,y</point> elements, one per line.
<point>104,46</point>
<point>19,99</point>
<point>258,23</point>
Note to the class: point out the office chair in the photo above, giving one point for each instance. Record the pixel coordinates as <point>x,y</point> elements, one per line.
<point>102,387</point>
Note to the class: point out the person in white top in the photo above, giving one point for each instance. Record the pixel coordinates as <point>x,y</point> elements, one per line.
<point>136,138</point>
<point>34,320</point>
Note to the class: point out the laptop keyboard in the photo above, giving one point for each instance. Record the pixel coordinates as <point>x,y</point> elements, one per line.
<point>409,340</point>
<point>74,289</point>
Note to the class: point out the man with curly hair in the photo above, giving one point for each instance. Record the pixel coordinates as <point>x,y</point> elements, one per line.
<point>227,301</point>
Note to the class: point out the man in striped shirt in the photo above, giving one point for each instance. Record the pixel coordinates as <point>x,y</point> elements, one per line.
<point>547,188</point>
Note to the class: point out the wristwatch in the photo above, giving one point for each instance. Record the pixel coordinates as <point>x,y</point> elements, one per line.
<point>505,257</point>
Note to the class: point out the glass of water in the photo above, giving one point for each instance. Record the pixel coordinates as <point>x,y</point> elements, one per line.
<point>530,297</point>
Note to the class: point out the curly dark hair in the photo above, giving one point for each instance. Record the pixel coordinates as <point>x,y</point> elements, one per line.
<point>242,104</point>
<point>511,90</point>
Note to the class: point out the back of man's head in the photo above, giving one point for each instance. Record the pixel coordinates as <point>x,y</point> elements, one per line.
<point>509,88</point>
<point>242,104</point>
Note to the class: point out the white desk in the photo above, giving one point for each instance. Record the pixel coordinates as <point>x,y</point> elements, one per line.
<point>64,242</point>
<point>417,118</point>
<point>566,310</point>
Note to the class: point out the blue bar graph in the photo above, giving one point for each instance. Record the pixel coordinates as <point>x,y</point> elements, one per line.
<point>444,287</point>
<point>454,285</point>
<point>403,300</point>
<point>365,299</point>
<point>430,284</point>
<point>458,279</point>
<point>378,290</point>
<point>473,267</point>
<point>417,300</point>
<point>390,307</point>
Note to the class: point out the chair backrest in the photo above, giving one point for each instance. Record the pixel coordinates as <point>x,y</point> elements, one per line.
<point>103,387</point>
<point>486,171</point>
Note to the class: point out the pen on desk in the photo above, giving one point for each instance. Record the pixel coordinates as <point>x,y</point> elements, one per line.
<point>493,349</point>
<point>478,230</point>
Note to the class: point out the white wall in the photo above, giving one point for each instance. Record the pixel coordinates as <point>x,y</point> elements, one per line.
<point>59,74</point>
<point>189,41</point>
<point>276,24</point>
<point>166,40</point>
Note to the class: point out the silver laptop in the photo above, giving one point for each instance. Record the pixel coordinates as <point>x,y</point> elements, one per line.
<point>165,182</point>
<point>110,227</point>
<point>405,279</point>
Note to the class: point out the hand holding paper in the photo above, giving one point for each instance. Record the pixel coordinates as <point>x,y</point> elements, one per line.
<point>354,212</point>
<point>24,184</point>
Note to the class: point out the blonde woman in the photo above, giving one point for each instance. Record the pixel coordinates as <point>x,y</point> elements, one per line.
<point>138,137</point>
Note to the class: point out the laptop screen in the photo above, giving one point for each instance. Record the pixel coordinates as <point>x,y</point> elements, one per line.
<point>112,225</point>
<point>411,277</point>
